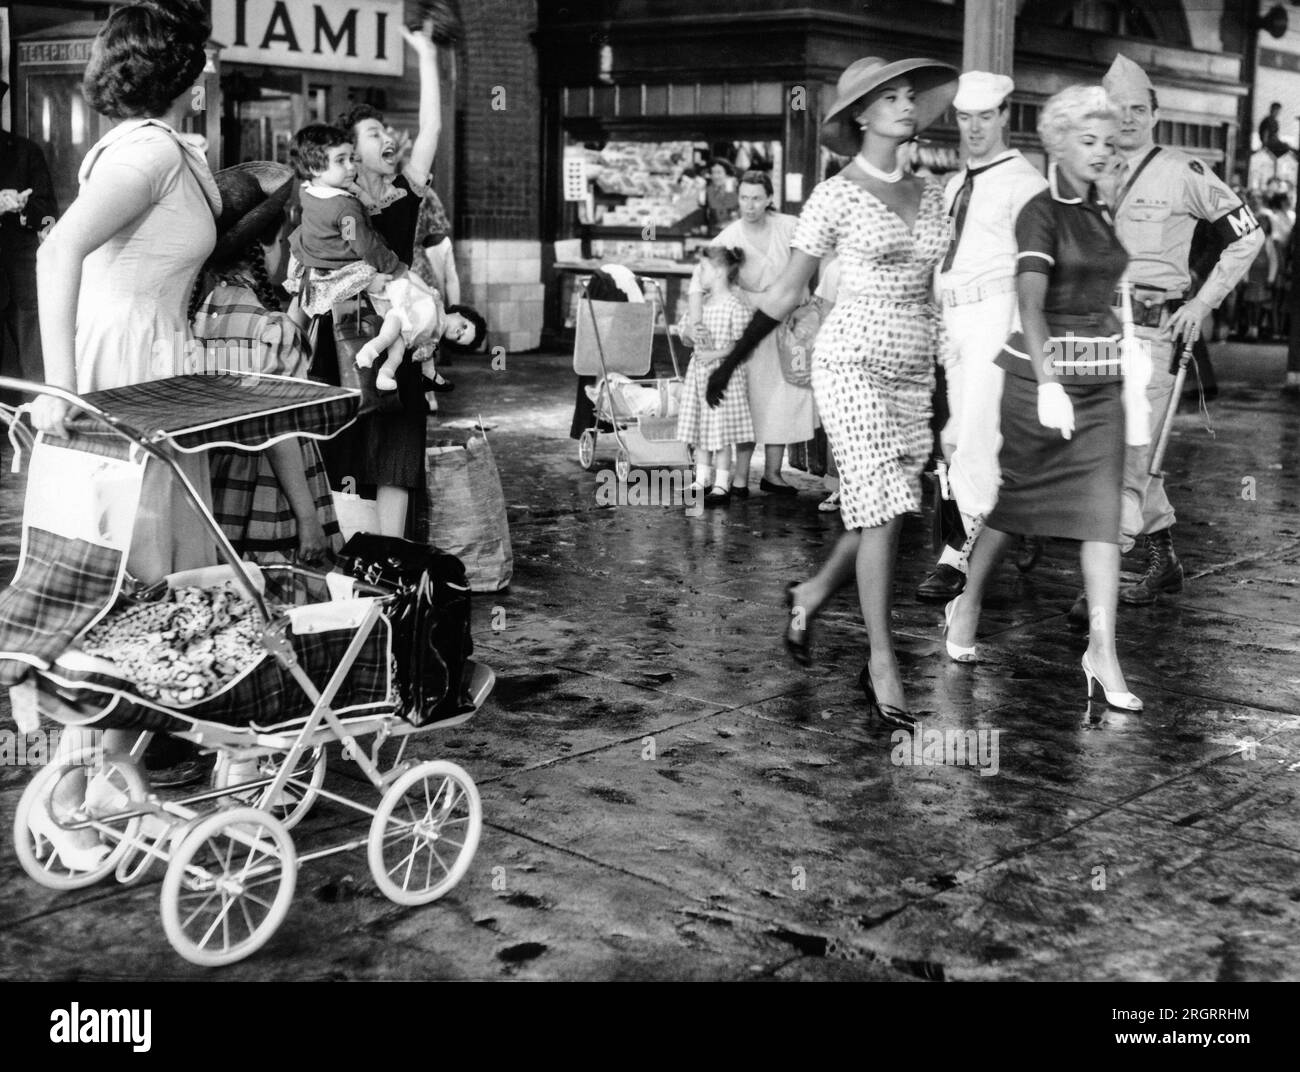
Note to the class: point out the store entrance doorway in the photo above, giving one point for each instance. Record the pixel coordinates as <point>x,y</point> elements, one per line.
<point>264,107</point>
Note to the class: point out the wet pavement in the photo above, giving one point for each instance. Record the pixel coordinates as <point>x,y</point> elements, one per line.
<point>667,796</point>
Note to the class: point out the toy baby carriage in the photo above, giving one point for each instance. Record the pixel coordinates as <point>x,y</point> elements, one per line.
<point>263,666</point>
<point>614,342</point>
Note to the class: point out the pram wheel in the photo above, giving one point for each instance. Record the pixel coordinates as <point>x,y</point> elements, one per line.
<point>622,466</point>
<point>113,783</point>
<point>587,448</point>
<point>228,886</point>
<point>425,833</point>
<point>294,801</point>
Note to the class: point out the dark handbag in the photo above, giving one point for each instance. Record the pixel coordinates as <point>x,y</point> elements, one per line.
<point>429,616</point>
<point>351,333</point>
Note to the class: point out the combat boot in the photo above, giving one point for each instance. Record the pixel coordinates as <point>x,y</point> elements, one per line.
<point>1164,571</point>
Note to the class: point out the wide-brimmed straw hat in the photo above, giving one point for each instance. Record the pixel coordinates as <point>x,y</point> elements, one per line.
<point>253,200</point>
<point>934,83</point>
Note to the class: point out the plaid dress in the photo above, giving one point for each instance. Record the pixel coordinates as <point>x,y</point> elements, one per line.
<point>240,335</point>
<point>712,429</point>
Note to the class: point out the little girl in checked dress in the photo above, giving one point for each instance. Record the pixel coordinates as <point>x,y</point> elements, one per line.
<point>714,432</point>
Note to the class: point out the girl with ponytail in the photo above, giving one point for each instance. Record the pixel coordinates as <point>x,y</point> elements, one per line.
<point>714,433</point>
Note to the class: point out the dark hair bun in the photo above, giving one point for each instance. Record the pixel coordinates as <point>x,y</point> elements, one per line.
<point>189,19</point>
<point>145,57</point>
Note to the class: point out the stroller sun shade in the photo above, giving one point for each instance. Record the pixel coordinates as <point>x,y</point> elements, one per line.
<point>247,412</point>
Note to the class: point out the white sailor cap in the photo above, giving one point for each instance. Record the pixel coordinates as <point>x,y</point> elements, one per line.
<point>981,91</point>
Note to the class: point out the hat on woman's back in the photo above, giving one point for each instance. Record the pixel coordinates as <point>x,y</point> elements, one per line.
<point>934,83</point>
<point>253,200</point>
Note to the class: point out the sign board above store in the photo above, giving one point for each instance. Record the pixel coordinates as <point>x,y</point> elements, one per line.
<point>55,53</point>
<point>361,37</point>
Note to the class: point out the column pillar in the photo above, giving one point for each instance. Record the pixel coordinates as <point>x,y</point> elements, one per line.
<point>989,43</point>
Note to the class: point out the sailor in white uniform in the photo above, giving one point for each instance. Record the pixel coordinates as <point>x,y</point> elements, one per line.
<point>976,287</point>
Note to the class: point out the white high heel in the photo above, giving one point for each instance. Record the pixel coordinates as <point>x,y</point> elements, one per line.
<point>956,652</point>
<point>74,857</point>
<point>1124,701</point>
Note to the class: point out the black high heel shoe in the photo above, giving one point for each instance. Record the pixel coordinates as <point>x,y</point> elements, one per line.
<point>895,716</point>
<point>798,641</point>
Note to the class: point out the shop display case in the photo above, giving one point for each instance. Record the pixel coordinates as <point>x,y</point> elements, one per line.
<point>641,203</point>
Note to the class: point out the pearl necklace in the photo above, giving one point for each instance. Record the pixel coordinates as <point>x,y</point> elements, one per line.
<point>875,172</point>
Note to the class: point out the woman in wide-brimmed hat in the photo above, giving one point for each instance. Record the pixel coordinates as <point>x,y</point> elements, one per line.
<point>873,364</point>
<point>273,505</point>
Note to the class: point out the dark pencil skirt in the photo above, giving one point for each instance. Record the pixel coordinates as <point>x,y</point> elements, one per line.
<point>1051,486</point>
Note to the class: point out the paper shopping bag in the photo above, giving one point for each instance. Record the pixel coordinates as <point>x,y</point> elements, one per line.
<point>467,511</point>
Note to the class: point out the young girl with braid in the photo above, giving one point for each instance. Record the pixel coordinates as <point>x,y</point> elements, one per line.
<point>273,505</point>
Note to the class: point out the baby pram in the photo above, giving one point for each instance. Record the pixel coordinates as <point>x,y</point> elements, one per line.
<point>613,342</point>
<point>323,672</point>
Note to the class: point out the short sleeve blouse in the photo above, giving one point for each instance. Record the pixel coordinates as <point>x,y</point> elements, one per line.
<point>818,231</point>
<point>1072,241</point>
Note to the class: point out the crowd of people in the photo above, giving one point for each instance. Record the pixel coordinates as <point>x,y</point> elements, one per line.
<point>1057,306</point>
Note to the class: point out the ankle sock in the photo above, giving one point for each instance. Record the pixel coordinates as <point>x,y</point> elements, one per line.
<point>952,557</point>
<point>723,479</point>
<point>703,475</point>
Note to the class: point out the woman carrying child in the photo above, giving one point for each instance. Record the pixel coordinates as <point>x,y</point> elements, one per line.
<point>339,255</point>
<point>714,432</point>
<point>387,450</point>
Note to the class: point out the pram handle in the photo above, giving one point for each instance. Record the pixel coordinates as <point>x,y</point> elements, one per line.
<point>133,435</point>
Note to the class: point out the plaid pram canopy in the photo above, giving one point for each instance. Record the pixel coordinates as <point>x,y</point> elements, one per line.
<point>71,567</point>
<point>248,412</point>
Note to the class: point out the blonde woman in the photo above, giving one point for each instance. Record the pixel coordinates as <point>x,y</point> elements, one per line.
<point>1062,457</point>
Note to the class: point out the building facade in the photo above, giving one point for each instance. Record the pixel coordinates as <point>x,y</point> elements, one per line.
<point>580,122</point>
<point>637,93</point>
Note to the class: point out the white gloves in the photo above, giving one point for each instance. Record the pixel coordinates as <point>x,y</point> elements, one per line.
<point>1055,410</point>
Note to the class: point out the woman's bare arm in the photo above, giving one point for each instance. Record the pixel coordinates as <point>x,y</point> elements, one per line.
<point>425,146</point>
<point>1031,290</point>
<point>782,298</point>
<point>287,464</point>
<point>114,197</point>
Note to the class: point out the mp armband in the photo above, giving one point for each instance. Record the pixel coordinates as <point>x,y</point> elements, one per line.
<point>1236,224</point>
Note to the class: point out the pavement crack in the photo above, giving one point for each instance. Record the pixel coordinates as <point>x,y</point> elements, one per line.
<point>809,945</point>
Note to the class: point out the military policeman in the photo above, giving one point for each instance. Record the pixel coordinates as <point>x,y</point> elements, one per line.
<point>1160,194</point>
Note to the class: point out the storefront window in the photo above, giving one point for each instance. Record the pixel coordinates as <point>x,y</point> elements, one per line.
<point>650,204</point>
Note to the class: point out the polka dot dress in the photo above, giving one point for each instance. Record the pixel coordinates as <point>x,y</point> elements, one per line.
<point>873,362</point>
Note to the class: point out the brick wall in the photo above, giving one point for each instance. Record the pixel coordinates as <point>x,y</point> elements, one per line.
<point>497,222</point>
<point>498,123</point>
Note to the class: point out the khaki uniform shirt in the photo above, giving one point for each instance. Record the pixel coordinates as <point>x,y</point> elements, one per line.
<point>1157,213</point>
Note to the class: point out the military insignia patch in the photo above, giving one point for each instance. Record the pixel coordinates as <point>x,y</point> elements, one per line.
<point>1196,166</point>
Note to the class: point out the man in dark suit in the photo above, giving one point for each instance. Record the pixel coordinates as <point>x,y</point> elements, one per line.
<point>27,208</point>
